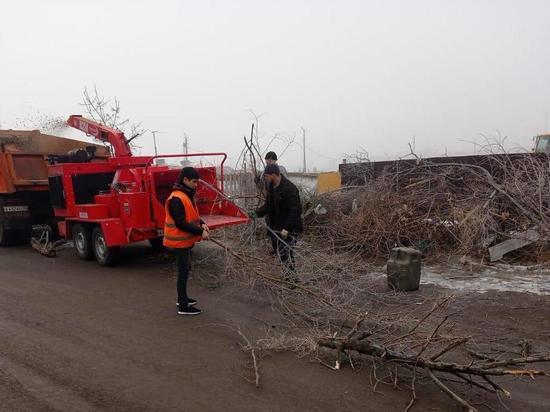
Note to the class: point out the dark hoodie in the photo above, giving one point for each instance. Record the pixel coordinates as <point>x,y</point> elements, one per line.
<point>177,211</point>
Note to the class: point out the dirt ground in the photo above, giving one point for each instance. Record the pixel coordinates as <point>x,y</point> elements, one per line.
<point>75,336</point>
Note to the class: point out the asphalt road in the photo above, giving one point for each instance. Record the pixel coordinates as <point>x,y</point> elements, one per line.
<point>78,337</point>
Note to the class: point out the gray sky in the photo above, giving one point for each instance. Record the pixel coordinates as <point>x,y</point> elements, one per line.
<point>354,74</point>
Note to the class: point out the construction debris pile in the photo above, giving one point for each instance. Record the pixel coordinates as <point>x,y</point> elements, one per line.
<point>441,207</point>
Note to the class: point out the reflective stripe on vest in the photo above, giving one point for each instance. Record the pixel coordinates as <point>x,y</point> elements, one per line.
<point>174,237</point>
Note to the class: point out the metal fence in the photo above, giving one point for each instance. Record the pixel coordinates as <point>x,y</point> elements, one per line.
<point>240,187</point>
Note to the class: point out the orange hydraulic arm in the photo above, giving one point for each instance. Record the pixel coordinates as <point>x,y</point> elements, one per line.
<point>105,134</point>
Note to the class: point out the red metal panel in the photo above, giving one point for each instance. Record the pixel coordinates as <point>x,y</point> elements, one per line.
<point>91,211</point>
<point>67,170</point>
<point>111,201</point>
<point>134,210</point>
<point>62,226</point>
<point>137,235</point>
<point>217,221</point>
<point>114,232</point>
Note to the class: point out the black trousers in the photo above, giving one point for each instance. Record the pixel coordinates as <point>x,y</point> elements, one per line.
<point>273,238</point>
<point>182,265</point>
<point>285,251</point>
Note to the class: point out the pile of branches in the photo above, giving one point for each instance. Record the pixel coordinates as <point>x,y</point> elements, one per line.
<point>342,308</point>
<point>438,205</point>
<point>342,312</point>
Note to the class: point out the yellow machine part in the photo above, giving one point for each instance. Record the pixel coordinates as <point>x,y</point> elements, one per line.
<point>329,181</point>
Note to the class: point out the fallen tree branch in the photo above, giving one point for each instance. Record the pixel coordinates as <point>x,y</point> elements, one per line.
<point>450,392</point>
<point>492,369</point>
<point>289,285</point>
<point>483,370</point>
<point>252,351</point>
<point>450,347</point>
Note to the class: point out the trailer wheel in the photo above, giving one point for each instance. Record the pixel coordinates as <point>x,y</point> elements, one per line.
<point>82,241</point>
<point>105,255</point>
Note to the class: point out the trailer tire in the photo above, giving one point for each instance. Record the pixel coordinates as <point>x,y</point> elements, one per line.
<point>105,255</point>
<point>82,240</point>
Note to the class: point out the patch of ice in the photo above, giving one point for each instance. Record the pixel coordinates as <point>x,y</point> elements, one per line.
<point>512,279</point>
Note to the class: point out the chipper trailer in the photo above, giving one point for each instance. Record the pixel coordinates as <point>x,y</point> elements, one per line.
<point>105,205</point>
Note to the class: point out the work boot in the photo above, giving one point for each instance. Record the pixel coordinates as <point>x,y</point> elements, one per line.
<point>189,311</point>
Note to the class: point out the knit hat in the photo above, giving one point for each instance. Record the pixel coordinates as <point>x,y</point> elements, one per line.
<point>272,170</point>
<point>188,172</point>
<point>270,156</point>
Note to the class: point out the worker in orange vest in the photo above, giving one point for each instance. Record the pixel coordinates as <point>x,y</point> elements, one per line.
<point>183,228</point>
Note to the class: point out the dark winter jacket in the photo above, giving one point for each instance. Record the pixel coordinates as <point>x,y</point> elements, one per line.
<point>283,207</point>
<point>177,211</point>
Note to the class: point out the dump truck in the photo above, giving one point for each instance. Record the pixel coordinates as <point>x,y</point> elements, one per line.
<point>24,189</point>
<point>102,206</point>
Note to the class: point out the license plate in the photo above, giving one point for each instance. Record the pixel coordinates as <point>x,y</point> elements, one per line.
<point>15,209</point>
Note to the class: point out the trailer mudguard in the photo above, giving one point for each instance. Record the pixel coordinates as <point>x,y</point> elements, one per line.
<point>113,230</point>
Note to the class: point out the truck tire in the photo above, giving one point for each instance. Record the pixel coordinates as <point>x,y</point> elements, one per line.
<point>6,236</point>
<point>105,255</point>
<point>82,240</point>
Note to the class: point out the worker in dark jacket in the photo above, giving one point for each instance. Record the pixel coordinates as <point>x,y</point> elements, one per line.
<point>284,212</point>
<point>183,228</point>
<point>261,183</point>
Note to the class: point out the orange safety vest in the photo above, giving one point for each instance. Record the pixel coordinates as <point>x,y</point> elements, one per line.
<point>173,237</point>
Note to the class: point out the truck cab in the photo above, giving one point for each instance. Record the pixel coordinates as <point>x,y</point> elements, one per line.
<point>542,143</point>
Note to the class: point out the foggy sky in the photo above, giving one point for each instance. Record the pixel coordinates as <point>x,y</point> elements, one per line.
<point>357,75</point>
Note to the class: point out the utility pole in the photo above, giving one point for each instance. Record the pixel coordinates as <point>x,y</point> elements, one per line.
<point>154,133</point>
<point>185,144</point>
<point>304,148</point>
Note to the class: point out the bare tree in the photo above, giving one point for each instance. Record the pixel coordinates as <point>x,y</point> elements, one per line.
<point>107,112</point>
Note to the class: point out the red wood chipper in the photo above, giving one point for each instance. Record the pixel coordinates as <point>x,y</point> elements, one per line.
<point>104,205</point>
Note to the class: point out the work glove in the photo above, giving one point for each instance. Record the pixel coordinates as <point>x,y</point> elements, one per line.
<point>284,233</point>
